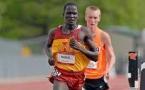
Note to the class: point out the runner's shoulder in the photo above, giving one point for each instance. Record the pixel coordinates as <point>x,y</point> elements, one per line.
<point>105,34</point>
<point>51,31</point>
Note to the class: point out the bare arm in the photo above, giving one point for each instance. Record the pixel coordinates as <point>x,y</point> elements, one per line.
<point>92,54</point>
<point>109,51</point>
<point>91,51</point>
<point>48,45</point>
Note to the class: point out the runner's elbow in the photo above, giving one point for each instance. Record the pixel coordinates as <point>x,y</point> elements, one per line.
<point>94,58</point>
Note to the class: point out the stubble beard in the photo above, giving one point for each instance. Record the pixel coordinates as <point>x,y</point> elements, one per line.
<point>71,26</point>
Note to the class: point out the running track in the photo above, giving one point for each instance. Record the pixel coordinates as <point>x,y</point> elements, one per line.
<point>117,83</point>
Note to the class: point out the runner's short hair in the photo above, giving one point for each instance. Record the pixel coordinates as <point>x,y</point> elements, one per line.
<point>69,4</point>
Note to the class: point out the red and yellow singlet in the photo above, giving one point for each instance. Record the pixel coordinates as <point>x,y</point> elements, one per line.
<point>67,58</point>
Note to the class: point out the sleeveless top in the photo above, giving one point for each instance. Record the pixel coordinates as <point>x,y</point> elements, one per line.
<point>67,58</point>
<point>97,69</point>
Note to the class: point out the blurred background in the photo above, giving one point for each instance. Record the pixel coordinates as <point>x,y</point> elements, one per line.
<point>24,25</point>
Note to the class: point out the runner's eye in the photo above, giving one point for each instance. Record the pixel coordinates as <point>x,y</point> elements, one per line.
<point>90,17</point>
<point>95,17</point>
<point>74,13</point>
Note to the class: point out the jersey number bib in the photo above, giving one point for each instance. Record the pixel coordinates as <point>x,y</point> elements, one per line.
<point>92,65</point>
<point>66,58</point>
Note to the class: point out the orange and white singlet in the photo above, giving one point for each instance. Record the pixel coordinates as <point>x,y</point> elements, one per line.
<point>97,69</point>
<point>65,57</point>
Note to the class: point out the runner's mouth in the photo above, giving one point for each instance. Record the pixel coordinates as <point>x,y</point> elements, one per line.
<point>71,21</point>
<point>92,24</point>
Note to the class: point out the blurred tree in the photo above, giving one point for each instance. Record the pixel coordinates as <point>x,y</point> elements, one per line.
<point>29,18</point>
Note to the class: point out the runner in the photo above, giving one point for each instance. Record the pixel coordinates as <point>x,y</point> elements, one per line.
<point>66,46</point>
<point>96,71</point>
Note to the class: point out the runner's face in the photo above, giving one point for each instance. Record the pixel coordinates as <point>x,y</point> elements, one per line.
<point>92,18</point>
<point>71,14</point>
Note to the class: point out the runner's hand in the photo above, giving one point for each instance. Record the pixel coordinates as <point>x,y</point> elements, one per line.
<point>74,44</point>
<point>107,76</point>
<point>51,61</point>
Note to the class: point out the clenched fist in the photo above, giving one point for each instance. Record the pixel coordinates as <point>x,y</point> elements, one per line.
<point>51,61</point>
<point>74,44</point>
